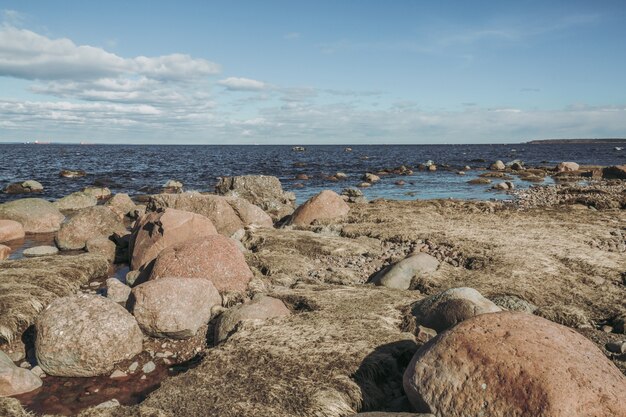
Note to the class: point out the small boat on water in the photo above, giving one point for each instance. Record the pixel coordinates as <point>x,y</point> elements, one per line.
<point>619,148</point>
<point>298,149</point>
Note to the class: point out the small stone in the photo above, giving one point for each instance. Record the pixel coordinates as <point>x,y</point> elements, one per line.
<point>424,334</point>
<point>38,371</point>
<point>109,404</point>
<point>40,251</point>
<point>148,367</point>
<point>616,347</point>
<point>143,377</point>
<point>25,365</point>
<point>133,367</point>
<point>118,374</point>
<point>117,290</point>
<point>607,329</point>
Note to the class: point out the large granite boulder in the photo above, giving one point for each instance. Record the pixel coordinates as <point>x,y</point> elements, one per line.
<point>156,231</point>
<point>400,274</point>
<point>260,308</point>
<point>215,258</point>
<point>446,309</point>
<point>11,230</point>
<point>85,335</point>
<point>35,214</point>
<point>88,224</point>
<point>121,204</point>
<point>15,380</point>
<point>228,214</point>
<point>76,201</point>
<point>261,190</point>
<point>174,307</point>
<point>325,205</point>
<point>513,364</point>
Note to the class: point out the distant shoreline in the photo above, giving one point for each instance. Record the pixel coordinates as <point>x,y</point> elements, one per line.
<point>562,141</point>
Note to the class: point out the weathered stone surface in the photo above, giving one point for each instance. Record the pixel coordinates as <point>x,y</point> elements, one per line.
<point>35,214</point>
<point>215,258</point>
<point>174,307</point>
<point>102,245</point>
<point>15,380</point>
<point>497,166</point>
<point>99,192</point>
<point>513,364</point>
<point>5,251</point>
<point>228,214</point>
<point>325,205</point>
<point>30,186</point>
<point>400,274</point>
<point>444,310</point>
<point>87,224</point>
<point>371,178</point>
<point>260,308</point>
<point>11,230</point>
<point>76,201</point>
<point>479,181</point>
<point>37,251</point>
<point>156,231</point>
<point>121,204</point>
<point>72,173</point>
<point>85,335</point>
<point>567,167</point>
<point>261,190</point>
<point>117,291</point>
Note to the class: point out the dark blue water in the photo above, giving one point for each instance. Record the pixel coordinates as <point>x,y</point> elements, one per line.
<point>135,169</point>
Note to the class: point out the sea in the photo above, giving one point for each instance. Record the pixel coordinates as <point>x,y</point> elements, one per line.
<point>141,169</point>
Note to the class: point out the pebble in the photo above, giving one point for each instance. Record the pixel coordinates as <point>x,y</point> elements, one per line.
<point>616,347</point>
<point>133,367</point>
<point>109,404</point>
<point>38,371</point>
<point>36,251</point>
<point>148,367</point>
<point>118,374</point>
<point>25,365</point>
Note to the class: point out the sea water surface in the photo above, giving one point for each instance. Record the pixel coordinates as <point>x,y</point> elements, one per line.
<point>137,169</point>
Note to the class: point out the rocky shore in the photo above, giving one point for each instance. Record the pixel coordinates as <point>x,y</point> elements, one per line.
<point>241,303</point>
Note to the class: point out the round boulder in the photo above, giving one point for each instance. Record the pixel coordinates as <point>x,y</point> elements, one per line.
<point>174,307</point>
<point>325,205</point>
<point>11,230</point>
<point>85,335</point>
<point>260,308</point>
<point>76,201</point>
<point>497,166</point>
<point>400,274</point>
<point>88,224</point>
<point>35,214</point>
<point>158,230</point>
<point>121,204</point>
<point>567,167</point>
<point>513,364</point>
<point>446,309</point>
<point>215,258</point>
<point>30,186</point>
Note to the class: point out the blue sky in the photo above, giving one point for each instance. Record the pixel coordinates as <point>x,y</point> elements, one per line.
<point>311,72</point>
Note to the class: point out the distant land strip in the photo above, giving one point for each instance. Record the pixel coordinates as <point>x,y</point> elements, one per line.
<point>561,141</point>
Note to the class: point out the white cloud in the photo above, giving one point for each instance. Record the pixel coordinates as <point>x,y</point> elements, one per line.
<point>242,84</point>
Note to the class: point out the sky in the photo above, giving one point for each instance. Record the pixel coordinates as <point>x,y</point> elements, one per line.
<point>311,72</point>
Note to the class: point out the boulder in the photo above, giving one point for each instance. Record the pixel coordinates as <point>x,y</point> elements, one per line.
<point>567,167</point>
<point>371,178</point>
<point>513,364</point>
<point>159,230</point>
<point>173,185</point>
<point>497,166</point>
<point>614,172</point>
<point>260,308</point>
<point>479,181</point>
<point>174,307</point>
<point>400,274</point>
<point>99,192</point>
<point>325,205</point>
<point>215,258</point>
<point>37,251</point>
<point>228,214</point>
<point>30,186</point>
<point>505,185</point>
<point>121,204</point>
<point>102,245</point>
<point>446,309</point>
<point>5,251</point>
<point>11,230</point>
<point>85,335</point>
<point>15,380</point>
<point>35,214</point>
<point>72,173</point>
<point>76,201</point>
<point>117,291</point>
<point>261,190</point>
<point>88,224</point>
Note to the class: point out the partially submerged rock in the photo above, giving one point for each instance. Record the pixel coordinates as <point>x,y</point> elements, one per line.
<point>513,364</point>
<point>72,173</point>
<point>37,251</point>
<point>35,214</point>
<point>85,335</point>
<point>497,166</point>
<point>400,274</point>
<point>15,380</point>
<point>174,307</point>
<point>88,224</point>
<point>25,187</point>
<point>11,230</point>
<point>325,205</point>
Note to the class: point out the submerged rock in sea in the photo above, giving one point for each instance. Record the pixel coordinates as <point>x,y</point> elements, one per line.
<point>325,205</point>
<point>159,230</point>
<point>371,178</point>
<point>215,258</point>
<point>11,230</point>
<point>85,335</point>
<point>400,274</point>
<point>497,166</point>
<point>37,251</point>
<point>260,308</point>
<point>72,173</point>
<point>15,380</point>
<point>25,187</point>
<point>35,214</point>
<point>513,364</point>
<point>88,224</point>
<point>444,310</point>
<point>174,307</point>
